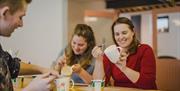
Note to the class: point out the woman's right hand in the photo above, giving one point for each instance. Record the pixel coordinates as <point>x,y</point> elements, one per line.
<point>98,68</point>
<point>97,53</point>
<point>60,63</point>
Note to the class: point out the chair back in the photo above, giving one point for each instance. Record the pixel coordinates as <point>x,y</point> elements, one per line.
<point>168,74</point>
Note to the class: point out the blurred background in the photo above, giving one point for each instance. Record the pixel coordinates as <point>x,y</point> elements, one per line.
<point>48,27</point>
<point>49,24</point>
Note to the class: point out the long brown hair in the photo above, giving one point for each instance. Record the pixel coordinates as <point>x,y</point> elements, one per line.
<point>134,44</point>
<point>85,59</point>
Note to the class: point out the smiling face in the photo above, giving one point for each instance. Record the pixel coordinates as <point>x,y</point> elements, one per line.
<point>123,35</point>
<point>79,44</point>
<point>10,22</point>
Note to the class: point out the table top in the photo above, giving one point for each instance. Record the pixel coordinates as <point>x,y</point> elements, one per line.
<point>79,87</point>
<point>85,88</point>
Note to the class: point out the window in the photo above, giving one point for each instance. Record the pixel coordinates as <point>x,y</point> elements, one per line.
<point>163,24</point>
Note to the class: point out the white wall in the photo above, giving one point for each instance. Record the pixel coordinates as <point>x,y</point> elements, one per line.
<point>43,34</point>
<point>169,43</point>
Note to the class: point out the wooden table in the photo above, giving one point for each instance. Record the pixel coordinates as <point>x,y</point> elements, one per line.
<point>78,88</point>
<point>83,88</point>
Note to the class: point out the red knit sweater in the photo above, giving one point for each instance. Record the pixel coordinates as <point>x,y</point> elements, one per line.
<point>142,61</point>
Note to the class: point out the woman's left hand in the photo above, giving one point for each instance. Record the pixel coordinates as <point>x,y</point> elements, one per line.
<point>122,59</point>
<point>76,68</point>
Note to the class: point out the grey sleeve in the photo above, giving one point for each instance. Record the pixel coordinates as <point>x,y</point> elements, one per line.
<point>90,69</point>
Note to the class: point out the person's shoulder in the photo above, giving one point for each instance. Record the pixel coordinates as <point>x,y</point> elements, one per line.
<point>145,46</point>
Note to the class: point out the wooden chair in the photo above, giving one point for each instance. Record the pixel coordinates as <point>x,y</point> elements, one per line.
<point>168,74</point>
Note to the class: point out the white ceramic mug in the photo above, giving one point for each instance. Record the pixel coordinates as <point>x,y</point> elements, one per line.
<point>97,85</point>
<point>113,53</point>
<point>63,83</point>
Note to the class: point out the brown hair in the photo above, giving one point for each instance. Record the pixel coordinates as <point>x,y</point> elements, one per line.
<point>85,59</point>
<point>123,20</point>
<point>14,5</point>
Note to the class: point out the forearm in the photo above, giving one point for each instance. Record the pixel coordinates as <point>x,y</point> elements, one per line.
<point>131,74</point>
<point>85,76</point>
<point>30,69</point>
<point>26,89</point>
<point>98,70</point>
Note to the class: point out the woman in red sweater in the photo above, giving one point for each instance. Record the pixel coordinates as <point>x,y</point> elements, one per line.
<point>136,66</point>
